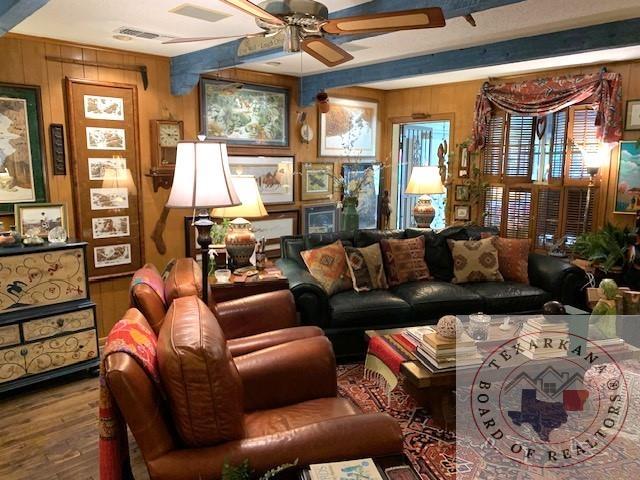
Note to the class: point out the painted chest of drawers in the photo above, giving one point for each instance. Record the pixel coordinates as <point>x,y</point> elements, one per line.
<point>47,321</point>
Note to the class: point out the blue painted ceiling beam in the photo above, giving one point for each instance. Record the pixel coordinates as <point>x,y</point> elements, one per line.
<point>186,68</point>
<point>12,12</point>
<point>598,37</point>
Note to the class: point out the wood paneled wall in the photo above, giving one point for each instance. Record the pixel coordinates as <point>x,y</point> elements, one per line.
<point>24,62</point>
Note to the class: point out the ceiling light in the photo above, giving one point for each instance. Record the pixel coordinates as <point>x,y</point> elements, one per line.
<point>123,38</point>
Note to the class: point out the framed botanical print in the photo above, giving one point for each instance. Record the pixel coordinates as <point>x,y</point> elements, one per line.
<point>349,129</point>
<point>105,164</point>
<point>367,179</point>
<point>322,218</point>
<point>276,225</point>
<point>255,115</point>
<point>628,184</point>
<point>274,176</point>
<point>632,121</point>
<point>462,213</point>
<point>40,218</point>
<point>317,181</point>
<point>22,174</point>
<point>462,193</point>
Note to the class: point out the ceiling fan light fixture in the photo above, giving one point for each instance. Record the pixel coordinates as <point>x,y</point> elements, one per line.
<point>256,11</point>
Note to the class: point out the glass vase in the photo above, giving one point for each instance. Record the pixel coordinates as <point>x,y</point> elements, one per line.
<point>350,219</point>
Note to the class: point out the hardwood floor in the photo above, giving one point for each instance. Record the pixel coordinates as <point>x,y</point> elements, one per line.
<point>50,432</point>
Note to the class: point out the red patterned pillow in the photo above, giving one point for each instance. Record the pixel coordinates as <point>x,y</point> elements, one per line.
<point>513,258</point>
<point>328,265</point>
<point>404,260</point>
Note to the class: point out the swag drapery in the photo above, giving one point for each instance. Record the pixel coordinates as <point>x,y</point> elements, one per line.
<point>549,95</point>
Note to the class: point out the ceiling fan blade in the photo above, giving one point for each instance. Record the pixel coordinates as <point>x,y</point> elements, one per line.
<point>252,9</point>
<point>325,51</point>
<point>204,39</point>
<point>386,22</point>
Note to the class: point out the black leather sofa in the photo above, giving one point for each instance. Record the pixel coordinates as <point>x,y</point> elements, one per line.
<point>346,315</point>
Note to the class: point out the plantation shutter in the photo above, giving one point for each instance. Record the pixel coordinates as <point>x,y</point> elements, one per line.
<point>518,213</point>
<point>547,216</point>
<point>583,135</point>
<point>519,148</point>
<point>493,206</point>
<point>574,208</point>
<point>494,146</point>
<point>558,146</point>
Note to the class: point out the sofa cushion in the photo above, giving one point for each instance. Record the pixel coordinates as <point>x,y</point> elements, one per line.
<point>509,297</point>
<point>364,238</point>
<point>184,280</point>
<point>513,257</point>
<point>433,299</point>
<point>290,247</point>
<point>199,376</point>
<point>437,253</point>
<point>366,268</point>
<point>404,260</point>
<point>370,309</point>
<point>316,240</point>
<point>475,260</point>
<point>146,293</point>
<point>328,265</point>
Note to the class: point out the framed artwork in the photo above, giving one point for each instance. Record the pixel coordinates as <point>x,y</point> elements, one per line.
<point>317,180</point>
<point>251,115</point>
<point>320,218</point>
<point>369,195</point>
<point>41,217</point>
<point>461,212</point>
<point>464,164</point>
<point>628,182</point>
<point>56,131</point>
<point>632,120</point>
<point>105,164</point>
<point>349,129</point>
<point>274,176</point>
<point>462,193</point>
<point>276,225</point>
<point>22,175</point>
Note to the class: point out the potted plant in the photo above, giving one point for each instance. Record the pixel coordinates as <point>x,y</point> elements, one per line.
<point>606,248</point>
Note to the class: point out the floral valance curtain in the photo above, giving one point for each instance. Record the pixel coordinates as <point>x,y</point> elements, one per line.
<point>549,95</point>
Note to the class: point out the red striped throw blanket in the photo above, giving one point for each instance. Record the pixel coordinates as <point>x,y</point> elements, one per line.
<point>133,336</point>
<point>385,356</point>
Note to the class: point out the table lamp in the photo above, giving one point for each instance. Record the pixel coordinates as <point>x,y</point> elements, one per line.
<point>202,180</point>
<point>240,240</point>
<point>424,181</point>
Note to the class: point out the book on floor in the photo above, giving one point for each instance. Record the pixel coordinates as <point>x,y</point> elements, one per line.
<point>364,469</point>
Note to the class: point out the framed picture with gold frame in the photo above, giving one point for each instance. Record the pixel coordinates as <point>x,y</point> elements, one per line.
<point>317,181</point>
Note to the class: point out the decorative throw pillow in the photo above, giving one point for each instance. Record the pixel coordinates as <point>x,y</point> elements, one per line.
<point>513,258</point>
<point>328,265</point>
<point>366,269</point>
<point>404,260</point>
<point>475,261</point>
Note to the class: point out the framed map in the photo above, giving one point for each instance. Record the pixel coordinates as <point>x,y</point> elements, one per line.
<point>22,176</point>
<point>244,114</point>
<point>349,129</point>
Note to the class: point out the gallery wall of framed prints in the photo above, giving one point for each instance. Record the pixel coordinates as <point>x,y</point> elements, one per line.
<point>103,137</point>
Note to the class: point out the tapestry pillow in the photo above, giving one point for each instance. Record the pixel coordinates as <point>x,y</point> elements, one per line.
<point>328,265</point>
<point>404,260</point>
<point>475,261</point>
<point>513,258</point>
<point>366,268</point>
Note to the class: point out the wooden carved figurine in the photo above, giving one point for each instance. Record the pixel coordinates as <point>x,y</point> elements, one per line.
<point>602,323</point>
<point>385,210</point>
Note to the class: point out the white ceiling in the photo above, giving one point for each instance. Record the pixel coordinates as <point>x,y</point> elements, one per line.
<point>95,21</point>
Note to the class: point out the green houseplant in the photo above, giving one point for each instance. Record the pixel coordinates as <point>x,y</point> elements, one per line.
<point>244,471</point>
<point>606,248</point>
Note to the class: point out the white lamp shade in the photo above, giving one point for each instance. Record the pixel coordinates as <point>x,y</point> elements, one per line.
<point>252,206</point>
<point>202,178</point>
<point>424,181</point>
<point>118,178</point>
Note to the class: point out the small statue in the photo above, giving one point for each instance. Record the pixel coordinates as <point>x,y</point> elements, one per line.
<point>602,323</point>
<point>442,166</point>
<point>385,210</point>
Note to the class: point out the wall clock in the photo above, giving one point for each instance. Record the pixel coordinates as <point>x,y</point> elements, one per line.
<point>165,135</point>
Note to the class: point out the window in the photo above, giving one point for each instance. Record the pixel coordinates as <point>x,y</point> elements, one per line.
<point>538,180</point>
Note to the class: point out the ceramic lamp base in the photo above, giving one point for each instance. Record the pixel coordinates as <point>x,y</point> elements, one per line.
<point>240,242</point>
<point>423,212</point>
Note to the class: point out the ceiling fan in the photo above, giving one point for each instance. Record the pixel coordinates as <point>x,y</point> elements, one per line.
<point>302,24</point>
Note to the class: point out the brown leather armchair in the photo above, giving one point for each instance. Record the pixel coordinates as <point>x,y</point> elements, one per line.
<point>271,406</point>
<point>249,324</point>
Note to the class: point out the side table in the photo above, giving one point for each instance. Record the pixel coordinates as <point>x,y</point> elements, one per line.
<point>236,288</point>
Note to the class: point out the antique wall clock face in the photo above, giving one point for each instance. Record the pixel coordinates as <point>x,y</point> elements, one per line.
<point>165,135</point>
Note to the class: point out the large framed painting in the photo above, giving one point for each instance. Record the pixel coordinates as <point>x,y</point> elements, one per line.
<point>244,114</point>
<point>22,176</point>
<point>317,181</point>
<point>628,185</point>
<point>349,129</point>
<point>321,218</point>
<point>274,176</point>
<point>369,176</point>
<point>105,164</point>
<point>276,225</point>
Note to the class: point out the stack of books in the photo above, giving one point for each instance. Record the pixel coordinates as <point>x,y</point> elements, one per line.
<point>439,354</point>
<point>541,339</point>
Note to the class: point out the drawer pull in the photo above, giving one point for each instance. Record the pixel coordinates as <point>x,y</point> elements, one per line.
<point>24,352</point>
<point>60,322</point>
